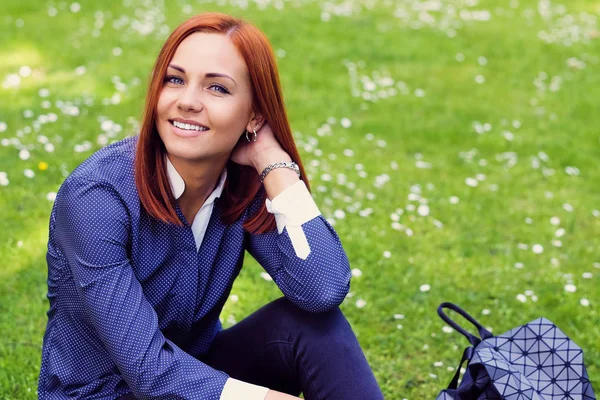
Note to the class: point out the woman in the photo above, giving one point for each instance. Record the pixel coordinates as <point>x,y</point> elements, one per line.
<point>148,235</point>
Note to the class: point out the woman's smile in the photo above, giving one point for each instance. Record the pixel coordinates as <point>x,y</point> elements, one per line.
<point>184,129</point>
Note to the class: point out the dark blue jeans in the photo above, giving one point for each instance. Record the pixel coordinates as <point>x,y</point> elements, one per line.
<point>287,349</point>
<point>290,350</point>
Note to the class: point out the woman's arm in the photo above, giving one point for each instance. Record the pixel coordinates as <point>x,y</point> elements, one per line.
<point>92,227</point>
<point>304,256</point>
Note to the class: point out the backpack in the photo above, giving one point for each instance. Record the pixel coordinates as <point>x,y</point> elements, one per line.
<point>535,361</point>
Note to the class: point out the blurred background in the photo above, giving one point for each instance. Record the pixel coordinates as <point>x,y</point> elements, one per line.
<point>454,145</point>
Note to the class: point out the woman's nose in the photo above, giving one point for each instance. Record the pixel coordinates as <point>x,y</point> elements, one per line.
<point>190,101</point>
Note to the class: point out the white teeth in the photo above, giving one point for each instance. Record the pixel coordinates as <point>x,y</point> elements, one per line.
<point>188,127</point>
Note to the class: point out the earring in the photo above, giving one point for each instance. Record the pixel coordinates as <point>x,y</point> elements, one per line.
<point>254,137</point>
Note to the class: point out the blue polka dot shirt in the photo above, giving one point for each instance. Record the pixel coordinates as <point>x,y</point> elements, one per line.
<point>133,302</point>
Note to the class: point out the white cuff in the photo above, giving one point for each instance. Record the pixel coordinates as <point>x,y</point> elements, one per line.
<point>292,208</point>
<point>235,390</point>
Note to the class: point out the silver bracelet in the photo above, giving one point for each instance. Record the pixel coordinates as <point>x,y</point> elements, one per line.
<point>281,164</point>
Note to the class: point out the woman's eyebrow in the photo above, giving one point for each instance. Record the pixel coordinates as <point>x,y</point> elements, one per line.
<point>207,75</point>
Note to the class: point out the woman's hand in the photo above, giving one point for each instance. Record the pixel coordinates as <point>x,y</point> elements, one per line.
<point>273,395</point>
<point>261,153</point>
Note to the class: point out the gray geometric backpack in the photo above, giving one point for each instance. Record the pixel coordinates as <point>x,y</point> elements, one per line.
<point>536,361</point>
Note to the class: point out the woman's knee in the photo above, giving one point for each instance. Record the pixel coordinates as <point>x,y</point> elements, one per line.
<point>332,321</point>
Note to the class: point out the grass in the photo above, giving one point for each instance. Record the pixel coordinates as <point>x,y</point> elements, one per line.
<point>468,258</point>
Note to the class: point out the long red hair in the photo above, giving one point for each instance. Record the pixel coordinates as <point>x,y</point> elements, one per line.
<point>242,185</point>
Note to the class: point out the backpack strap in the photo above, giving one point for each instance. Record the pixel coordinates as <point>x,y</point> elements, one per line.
<point>474,340</point>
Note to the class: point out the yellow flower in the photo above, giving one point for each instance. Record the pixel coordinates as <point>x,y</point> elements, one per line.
<point>43,165</point>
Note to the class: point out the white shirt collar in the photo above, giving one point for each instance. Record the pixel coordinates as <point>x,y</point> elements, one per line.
<point>178,185</point>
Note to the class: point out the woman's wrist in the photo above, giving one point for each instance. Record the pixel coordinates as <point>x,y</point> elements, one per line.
<point>269,157</point>
<point>278,179</point>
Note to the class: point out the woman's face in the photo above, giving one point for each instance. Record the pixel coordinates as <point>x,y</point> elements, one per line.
<point>205,103</point>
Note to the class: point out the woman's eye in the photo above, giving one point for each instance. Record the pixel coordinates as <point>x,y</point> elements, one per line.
<point>221,88</point>
<point>174,79</point>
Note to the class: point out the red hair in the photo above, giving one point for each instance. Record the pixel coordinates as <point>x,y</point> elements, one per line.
<point>242,185</point>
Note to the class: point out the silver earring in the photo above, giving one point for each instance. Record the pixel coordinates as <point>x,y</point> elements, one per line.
<point>253,138</point>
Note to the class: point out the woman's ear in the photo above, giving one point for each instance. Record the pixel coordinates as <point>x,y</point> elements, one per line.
<point>256,122</point>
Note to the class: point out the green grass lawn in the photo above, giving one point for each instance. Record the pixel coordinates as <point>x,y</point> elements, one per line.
<point>455,150</point>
